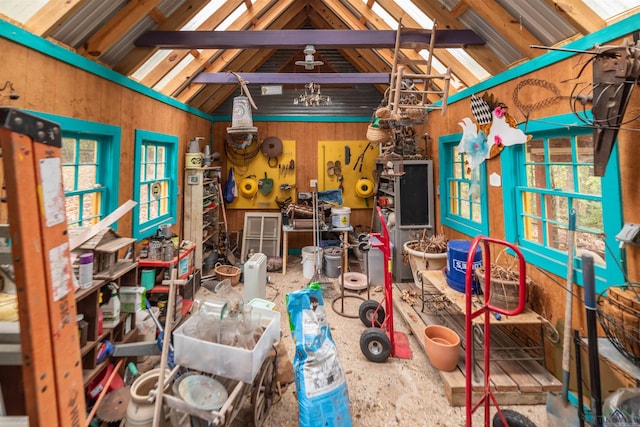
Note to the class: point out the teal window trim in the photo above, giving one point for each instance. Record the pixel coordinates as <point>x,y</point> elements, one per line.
<point>108,153</point>
<point>170,142</point>
<point>457,222</point>
<point>554,261</point>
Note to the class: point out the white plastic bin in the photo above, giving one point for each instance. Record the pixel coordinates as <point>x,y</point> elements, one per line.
<point>230,362</point>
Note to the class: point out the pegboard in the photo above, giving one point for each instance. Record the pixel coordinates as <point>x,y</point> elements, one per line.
<point>335,150</point>
<point>276,171</point>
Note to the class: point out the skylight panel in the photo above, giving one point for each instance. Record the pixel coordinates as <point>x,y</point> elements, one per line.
<point>610,8</point>
<point>231,18</point>
<point>174,72</point>
<point>204,14</point>
<point>470,63</point>
<point>388,19</point>
<point>22,10</point>
<point>412,10</point>
<point>150,64</point>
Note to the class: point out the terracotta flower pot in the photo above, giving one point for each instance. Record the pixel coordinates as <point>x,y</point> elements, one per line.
<point>443,347</point>
<point>505,294</point>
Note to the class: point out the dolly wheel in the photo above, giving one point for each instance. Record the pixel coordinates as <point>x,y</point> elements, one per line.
<point>513,419</point>
<point>263,390</point>
<point>368,310</point>
<point>375,345</point>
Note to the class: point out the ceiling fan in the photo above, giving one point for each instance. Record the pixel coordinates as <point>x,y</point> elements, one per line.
<point>309,62</point>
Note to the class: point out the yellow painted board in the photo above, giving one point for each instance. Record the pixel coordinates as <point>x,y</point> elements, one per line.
<point>258,166</point>
<point>335,150</point>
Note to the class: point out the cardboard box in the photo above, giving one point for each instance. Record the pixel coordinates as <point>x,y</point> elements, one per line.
<point>230,362</point>
<point>132,298</point>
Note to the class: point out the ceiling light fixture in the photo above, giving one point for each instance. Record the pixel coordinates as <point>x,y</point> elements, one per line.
<point>309,62</point>
<point>312,96</point>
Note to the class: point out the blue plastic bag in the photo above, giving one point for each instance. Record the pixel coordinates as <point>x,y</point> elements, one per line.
<point>321,385</point>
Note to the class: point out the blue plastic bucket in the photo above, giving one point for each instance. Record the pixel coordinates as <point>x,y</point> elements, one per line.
<point>457,252</point>
<point>461,286</point>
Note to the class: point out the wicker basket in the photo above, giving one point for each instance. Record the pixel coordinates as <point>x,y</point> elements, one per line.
<point>377,135</point>
<point>619,316</point>
<point>228,272</point>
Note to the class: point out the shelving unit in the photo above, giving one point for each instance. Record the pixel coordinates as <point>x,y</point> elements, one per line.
<point>202,212</point>
<point>123,273</point>
<point>188,276</point>
<point>409,196</point>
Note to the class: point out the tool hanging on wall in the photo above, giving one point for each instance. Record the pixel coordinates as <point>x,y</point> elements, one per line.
<point>360,160</point>
<point>265,185</point>
<point>272,148</point>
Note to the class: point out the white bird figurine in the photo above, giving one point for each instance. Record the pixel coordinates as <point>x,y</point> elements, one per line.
<point>503,134</point>
<point>473,143</point>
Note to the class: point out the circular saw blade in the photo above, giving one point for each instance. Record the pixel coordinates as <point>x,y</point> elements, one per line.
<point>114,405</point>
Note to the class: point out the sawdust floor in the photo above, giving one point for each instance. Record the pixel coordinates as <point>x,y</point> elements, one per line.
<point>399,392</point>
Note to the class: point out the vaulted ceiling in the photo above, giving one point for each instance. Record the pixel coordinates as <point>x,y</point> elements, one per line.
<point>110,32</point>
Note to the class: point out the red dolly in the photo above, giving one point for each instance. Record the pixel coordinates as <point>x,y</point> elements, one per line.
<point>379,340</point>
<point>501,418</point>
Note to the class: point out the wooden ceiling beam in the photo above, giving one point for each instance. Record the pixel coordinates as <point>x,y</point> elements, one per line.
<point>139,55</point>
<point>250,60</point>
<point>293,78</point>
<point>364,60</point>
<point>327,39</point>
<point>111,32</point>
<point>579,15</point>
<point>176,56</point>
<point>50,16</point>
<point>283,10</point>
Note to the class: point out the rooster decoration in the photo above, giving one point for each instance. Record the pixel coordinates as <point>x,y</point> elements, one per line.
<point>494,130</point>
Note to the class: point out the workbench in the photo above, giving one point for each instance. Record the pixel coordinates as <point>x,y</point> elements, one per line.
<point>286,229</point>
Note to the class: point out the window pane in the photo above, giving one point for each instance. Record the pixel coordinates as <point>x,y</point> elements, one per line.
<point>86,177</point>
<point>585,148</point>
<point>533,230</point>
<point>589,215</point>
<point>557,209</point>
<point>536,177</point>
<point>72,205</point>
<point>88,152</point>
<point>557,236</point>
<point>560,150</point>
<point>535,151</point>
<point>531,203</point>
<point>68,151</point>
<point>561,178</point>
<point>588,183</point>
<point>465,209</point>
<point>68,178</point>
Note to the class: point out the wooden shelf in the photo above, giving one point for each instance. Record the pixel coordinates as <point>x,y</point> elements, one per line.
<point>117,270</point>
<point>95,285</point>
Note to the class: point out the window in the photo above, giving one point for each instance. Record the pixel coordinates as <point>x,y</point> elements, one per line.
<point>554,175</point>
<point>463,202</point>
<point>155,187</point>
<point>89,155</point>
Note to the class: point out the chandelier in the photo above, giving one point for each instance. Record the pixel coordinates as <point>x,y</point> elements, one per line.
<point>312,96</point>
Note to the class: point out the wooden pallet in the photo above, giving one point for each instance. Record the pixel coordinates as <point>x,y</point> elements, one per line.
<point>513,382</point>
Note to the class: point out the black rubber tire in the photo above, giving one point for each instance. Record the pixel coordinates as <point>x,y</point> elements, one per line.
<point>366,313</point>
<point>375,345</point>
<point>513,418</point>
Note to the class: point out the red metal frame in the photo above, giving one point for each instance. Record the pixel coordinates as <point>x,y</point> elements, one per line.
<point>487,310</point>
<point>399,341</point>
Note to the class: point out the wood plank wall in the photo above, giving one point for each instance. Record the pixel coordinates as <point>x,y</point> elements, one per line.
<point>306,135</point>
<point>50,86</point>
<point>551,297</point>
